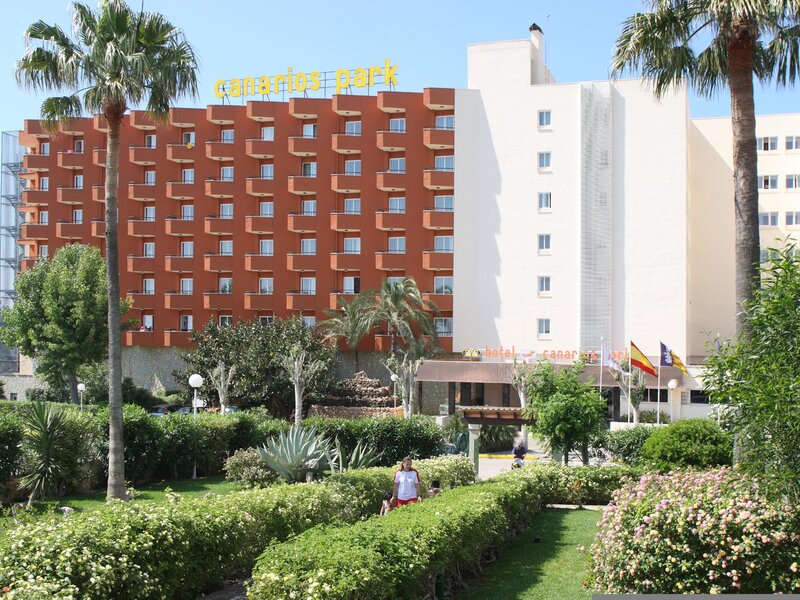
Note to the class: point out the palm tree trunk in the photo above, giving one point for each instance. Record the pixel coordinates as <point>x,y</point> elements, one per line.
<point>741,49</point>
<point>355,355</point>
<point>298,403</point>
<point>73,387</point>
<point>116,445</point>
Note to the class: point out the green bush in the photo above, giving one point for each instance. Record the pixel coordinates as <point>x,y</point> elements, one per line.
<point>10,447</point>
<point>581,485</point>
<point>246,468</point>
<point>648,417</point>
<point>143,443</point>
<point>177,549</point>
<point>493,437</point>
<point>47,395</point>
<point>626,444</point>
<point>688,443</point>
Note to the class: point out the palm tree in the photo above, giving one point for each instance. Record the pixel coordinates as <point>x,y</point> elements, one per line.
<point>710,43</point>
<point>400,307</point>
<point>350,322</point>
<point>117,59</point>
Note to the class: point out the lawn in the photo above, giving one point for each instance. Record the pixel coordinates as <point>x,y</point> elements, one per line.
<point>551,568</point>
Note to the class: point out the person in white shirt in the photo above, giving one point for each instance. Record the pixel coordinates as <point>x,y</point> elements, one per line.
<point>406,484</point>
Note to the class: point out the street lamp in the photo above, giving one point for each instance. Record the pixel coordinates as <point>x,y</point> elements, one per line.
<point>195,381</point>
<point>394,389</point>
<point>81,389</point>
<point>672,384</point>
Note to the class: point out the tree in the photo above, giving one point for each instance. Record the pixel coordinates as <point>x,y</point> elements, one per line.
<point>303,371</point>
<point>399,306</point>
<point>756,378</point>
<point>350,323</point>
<point>119,58</point>
<point>711,44</point>
<point>404,366</point>
<point>637,387</point>
<point>59,316</point>
<point>221,377</point>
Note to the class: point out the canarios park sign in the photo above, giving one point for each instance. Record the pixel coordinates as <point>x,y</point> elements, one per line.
<point>340,79</point>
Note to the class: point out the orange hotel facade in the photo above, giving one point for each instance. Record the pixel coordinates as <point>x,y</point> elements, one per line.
<point>256,211</point>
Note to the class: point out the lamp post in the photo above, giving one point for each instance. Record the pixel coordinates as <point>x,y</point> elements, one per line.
<point>672,384</point>
<point>394,389</point>
<point>195,381</point>
<point>81,389</point>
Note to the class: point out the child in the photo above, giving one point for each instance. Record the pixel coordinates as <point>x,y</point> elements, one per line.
<point>386,506</point>
<point>434,489</point>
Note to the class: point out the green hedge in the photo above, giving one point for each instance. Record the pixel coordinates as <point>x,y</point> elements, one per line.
<point>183,547</point>
<point>10,447</point>
<point>688,443</point>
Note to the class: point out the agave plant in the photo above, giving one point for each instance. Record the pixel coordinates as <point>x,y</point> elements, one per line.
<point>361,457</point>
<point>299,454</point>
<point>45,438</point>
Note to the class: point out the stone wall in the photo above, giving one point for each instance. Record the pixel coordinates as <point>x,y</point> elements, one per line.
<point>369,362</point>
<point>152,367</point>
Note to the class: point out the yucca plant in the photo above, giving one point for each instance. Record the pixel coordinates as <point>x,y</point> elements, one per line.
<point>361,457</point>
<point>44,444</point>
<point>299,454</point>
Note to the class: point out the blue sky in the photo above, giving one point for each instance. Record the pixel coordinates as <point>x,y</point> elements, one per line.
<point>427,40</point>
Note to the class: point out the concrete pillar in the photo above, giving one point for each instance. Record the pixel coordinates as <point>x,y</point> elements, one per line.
<point>474,447</point>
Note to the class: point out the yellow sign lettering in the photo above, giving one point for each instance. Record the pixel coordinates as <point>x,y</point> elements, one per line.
<point>314,79</point>
<point>219,88</point>
<point>389,76</point>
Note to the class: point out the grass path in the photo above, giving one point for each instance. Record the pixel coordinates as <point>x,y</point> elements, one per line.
<point>552,568</point>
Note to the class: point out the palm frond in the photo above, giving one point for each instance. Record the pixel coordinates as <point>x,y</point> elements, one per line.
<point>60,108</point>
<point>783,56</point>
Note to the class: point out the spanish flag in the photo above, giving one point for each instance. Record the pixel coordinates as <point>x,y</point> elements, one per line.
<point>639,360</point>
<point>678,363</point>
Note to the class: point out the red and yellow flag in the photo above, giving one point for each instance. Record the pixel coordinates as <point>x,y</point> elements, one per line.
<point>639,360</point>
<point>678,363</point>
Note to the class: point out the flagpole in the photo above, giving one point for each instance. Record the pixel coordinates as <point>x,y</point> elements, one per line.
<point>658,389</point>
<point>602,362</point>
<point>630,377</point>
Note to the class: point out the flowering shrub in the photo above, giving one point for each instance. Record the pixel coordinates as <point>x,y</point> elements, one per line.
<point>696,533</point>
<point>246,468</point>
<point>581,485</point>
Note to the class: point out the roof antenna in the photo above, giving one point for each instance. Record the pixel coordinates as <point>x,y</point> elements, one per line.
<point>547,48</point>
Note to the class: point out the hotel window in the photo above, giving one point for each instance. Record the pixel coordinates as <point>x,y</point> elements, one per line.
<point>310,130</point>
<point>443,284</point>
<point>78,147</point>
<point>767,255</point>
<point>544,327</point>
<point>226,173</point>
<point>793,142</point>
<point>308,285</point>
<point>148,322</point>
<point>445,122</point>
<point>227,136</point>
<point>187,212</point>
<point>443,203</point>
<point>186,323</point>
<point>187,175</point>
<point>268,171</point>
<point>44,217</point>
<point>397,204</point>
<point>150,140</point>
<point>545,201</point>
<point>766,144</point>
<point>187,137</point>
<point>308,169</point>
<point>44,149</point>
<point>545,161</point>
<point>352,167</point>
<point>351,284</point>
<point>44,183</point>
<point>793,218</point>
<point>544,243</point>
<point>149,249</point>
<point>266,319</point>
<point>395,280</point>
<point>352,128</point>
<point>768,219</point>
<point>444,163</point>
<point>544,119</point>
<point>187,249</point>
<point>225,285</point>
<point>308,208</point>
<point>149,213</point>
<point>44,250</point>
<point>148,286</point>
<point>397,124</point>
<point>444,326</point>
<point>225,320</point>
<point>266,247</point>
<point>266,285</point>
<point>226,211</point>
<point>352,206</point>
<point>443,243</point>
<point>397,165</point>
<point>226,247</point>
<point>352,245</point>
<point>77,181</point>
<point>768,182</point>
<point>792,182</point>
<point>268,134</point>
<point>266,209</point>
<point>544,285</point>
<point>77,216</point>
<point>308,321</point>
<point>187,286</point>
<point>308,246</point>
<point>397,245</point>
<point>149,177</point>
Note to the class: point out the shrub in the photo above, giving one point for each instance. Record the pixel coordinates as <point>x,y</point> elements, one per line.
<point>497,438</point>
<point>580,485</point>
<point>626,444</point>
<point>246,468</point>
<point>144,442</point>
<point>688,443</point>
<point>10,442</point>
<point>696,533</point>
<point>648,417</point>
<point>60,396</point>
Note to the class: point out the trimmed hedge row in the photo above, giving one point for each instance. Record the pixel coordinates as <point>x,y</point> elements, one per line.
<point>186,546</point>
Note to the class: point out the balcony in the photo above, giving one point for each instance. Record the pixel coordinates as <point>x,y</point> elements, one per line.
<point>391,181</point>
<point>437,261</point>
<point>27,262</point>
<point>348,105</point>
<point>180,190</point>
<point>100,123</point>
<point>218,226</point>
<point>217,300</point>
<point>36,162</point>
<point>346,183</point>
<point>144,301</point>
<point>443,302</point>
<point>341,221</point>
<point>383,342</point>
<point>186,118</point>
<point>335,297</point>
<point>141,120</point>
<point>307,108</point>
<point>258,148</point>
<point>302,185</point>
<point>257,186</point>
<point>256,301</point>
<point>179,264</point>
<point>35,231</point>
<point>439,139</point>
<point>298,301</point>
<point>217,150</point>
<point>438,180</point>
<point>219,263</point>
<point>395,102</point>
<point>99,156</point>
<point>180,153</point>
<point>179,301</point>
<point>302,262</point>
<point>301,223</point>
<point>143,192</point>
<point>71,160</point>
<point>141,264</point>
<point>98,229</point>
<point>346,261</point>
<point>142,155</point>
<point>390,221</point>
<point>35,197</point>
<point>99,193</point>
<point>390,261</point>
<point>179,227</point>
<point>263,112</point>
<point>259,262</point>
<point>391,141</point>
<point>173,337</point>
<point>259,224</point>
<point>71,195</point>
<point>141,338</point>
<point>222,114</point>
<point>346,144</point>
<point>35,128</point>
<point>303,146</point>
<point>437,219</point>
<point>69,231</point>
<point>73,127</point>
<point>219,188</point>
<point>141,227</point>
<point>439,98</point>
